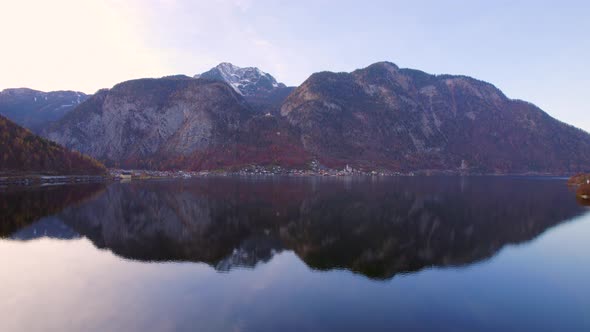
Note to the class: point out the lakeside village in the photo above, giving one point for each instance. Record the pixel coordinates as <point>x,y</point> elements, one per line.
<point>314,170</point>
<point>123,175</point>
<point>580,182</point>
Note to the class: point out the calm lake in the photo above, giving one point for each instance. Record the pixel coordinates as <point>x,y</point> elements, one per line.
<point>296,254</point>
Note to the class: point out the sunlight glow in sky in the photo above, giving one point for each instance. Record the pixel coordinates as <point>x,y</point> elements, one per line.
<point>538,51</point>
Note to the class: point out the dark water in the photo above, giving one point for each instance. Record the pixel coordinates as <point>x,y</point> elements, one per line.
<point>284,254</point>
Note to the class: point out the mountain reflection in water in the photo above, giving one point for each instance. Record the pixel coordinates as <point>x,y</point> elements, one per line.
<point>375,227</point>
<point>21,206</point>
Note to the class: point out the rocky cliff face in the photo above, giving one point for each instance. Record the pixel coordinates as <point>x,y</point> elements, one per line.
<point>406,119</point>
<point>180,123</point>
<point>35,110</point>
<point>142,122</point>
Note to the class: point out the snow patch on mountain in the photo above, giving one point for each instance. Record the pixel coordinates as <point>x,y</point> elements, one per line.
<point>245,81</point>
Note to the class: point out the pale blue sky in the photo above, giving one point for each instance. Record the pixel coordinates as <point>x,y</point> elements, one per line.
<point>538,51</point>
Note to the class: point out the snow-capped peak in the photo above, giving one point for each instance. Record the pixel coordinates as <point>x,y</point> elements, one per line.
<point>245,81</point>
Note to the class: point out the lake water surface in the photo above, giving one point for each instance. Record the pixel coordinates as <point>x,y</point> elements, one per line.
<point>296,254</point>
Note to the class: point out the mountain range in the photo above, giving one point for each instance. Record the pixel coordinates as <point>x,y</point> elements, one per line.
<point>381,117</point>
<point>36,109</point>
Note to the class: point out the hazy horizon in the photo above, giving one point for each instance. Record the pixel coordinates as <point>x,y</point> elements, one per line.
<point>531,50</point>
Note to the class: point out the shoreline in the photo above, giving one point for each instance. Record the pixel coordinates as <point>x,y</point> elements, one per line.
<point>39,179</point>
<point>118,175</point>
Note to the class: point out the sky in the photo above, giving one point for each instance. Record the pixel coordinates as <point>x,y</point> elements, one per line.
<point>538,51</point>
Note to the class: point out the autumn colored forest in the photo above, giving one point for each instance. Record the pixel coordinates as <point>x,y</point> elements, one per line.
<point>22,152</point>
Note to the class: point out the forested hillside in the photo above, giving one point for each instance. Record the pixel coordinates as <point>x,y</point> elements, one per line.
<point>24,152</point>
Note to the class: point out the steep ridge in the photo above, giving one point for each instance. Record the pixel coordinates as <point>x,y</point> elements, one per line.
<point>384,116</point>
